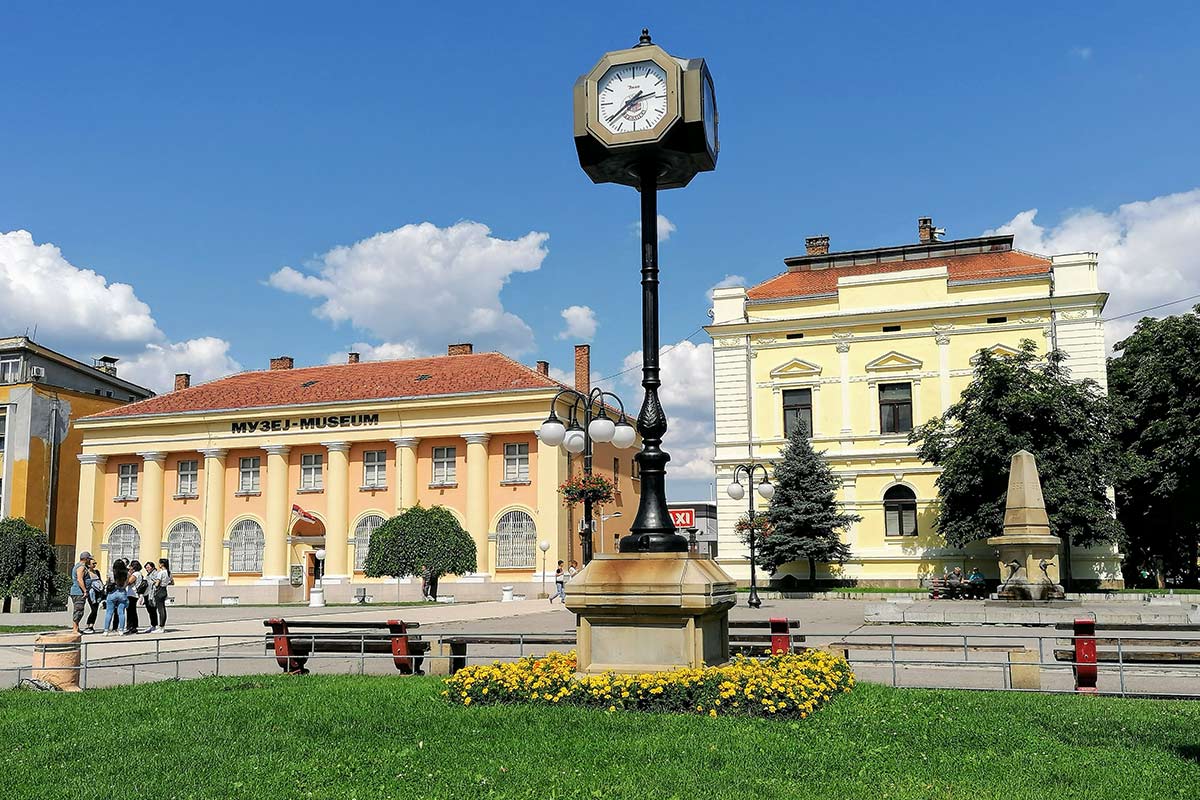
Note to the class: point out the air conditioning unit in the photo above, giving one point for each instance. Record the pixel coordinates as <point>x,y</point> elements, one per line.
<point>37,373</point>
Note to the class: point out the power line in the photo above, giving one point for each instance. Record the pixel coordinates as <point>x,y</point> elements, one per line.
<point>661,354</point>
<point>1152,308</point>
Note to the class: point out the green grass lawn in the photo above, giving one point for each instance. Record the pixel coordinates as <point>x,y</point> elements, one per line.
<point>353,737</point>
<point>31,628</point>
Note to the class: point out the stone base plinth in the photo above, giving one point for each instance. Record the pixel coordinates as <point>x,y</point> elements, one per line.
<point>1029,551</point>
<point>651,612</point>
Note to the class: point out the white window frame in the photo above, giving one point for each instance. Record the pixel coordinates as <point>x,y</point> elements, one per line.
<point>183,547</point>
<point>246,543</point>
<point>10,369</point>
<point>375,469</point>
<point>249,474</point>
<point>312,472</point>
<point>362,539</point>
<point>516,462</point>
<point>445,466</point>
<point>127,481</point>
<point>3,432</point>
<point>187,482</point>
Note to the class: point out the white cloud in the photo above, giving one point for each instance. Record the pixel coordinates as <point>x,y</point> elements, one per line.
<point>687,397</point>
<point>423,285</point>
<point>1147,251</point>
<point>80,312</point>
<point>728,280</point>
<point>388,351</point>
<point>1082,53</point>
<point>581,323</point>
<point>665,228</point>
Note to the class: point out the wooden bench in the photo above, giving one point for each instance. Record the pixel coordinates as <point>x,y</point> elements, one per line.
<point>744,639</point>
<point>292,650</point>
<point>939,589</point>
<point>1088,647</point>
<point>924,647</point>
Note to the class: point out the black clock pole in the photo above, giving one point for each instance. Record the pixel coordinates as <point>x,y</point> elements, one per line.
<point>652,530</point>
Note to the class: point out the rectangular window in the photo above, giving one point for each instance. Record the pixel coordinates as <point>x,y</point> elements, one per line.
<point>375,468</point>
<point>10,369</point>
<point>891,328</point>
<point>635,469</point>
<point>795,336</point>
<point>189,478</point>
<point>900,519</point>
<point>996,320</point>
<point>444,471</point>
<point>797,410</point>
<point>617,474</point>
<point>249,474</point>
<point>3,430</point>
<point>310,471</point>
<point>516,462</point>
<point>127,475</point>
<point>895,407</point>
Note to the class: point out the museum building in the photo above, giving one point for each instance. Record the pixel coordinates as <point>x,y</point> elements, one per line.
<point>861,346</point>
<point>240,481</point>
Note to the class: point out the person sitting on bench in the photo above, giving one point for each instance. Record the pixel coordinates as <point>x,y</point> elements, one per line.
<point>954,584</point>
<point>978,584</point>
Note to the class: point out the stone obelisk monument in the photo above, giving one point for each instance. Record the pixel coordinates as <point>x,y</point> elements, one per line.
<point>1028,552</point>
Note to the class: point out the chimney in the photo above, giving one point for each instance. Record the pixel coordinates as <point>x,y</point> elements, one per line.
<point>583,368</point>
<point>282,362</point>
<point>352,357</point>
<point>543,367</point>
<point>182,380</point>
<point>817,245</point>
<point>925,230</point>
<point>460,349</point>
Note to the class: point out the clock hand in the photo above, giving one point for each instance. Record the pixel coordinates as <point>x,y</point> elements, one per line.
<point>623,108</point>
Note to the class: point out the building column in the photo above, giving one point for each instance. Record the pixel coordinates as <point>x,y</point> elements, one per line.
<point>89,522</point>
<point>843,349</point>
<point>275,558</point>
<point>406,466</point>
<point>152,503</point>
<point>477,495</point>
<point>337,510</point>
<point>552,514</point>
<point>212,543</point>
<point>873,395</point>
<point>943,342</point>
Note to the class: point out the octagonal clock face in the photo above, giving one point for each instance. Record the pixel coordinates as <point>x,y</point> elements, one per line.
<point>632,97</point>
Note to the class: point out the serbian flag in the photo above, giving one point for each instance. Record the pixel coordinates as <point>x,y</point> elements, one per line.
<point>298,512</point>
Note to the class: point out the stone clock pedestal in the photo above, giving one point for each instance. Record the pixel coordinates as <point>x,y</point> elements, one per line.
<point>651,612</point>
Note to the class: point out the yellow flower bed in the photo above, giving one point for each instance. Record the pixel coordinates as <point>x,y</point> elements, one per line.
<point>788,685</point>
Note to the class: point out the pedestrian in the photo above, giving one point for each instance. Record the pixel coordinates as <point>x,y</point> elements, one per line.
<point>560,578</point>
<point>151,609</point>
<point>95,594</point>
<point>116,600</point>
<point>78,591</point>
<point>424,581</point>
<point>137,594</point>
<point>572,570</point>
<point>162,579</point>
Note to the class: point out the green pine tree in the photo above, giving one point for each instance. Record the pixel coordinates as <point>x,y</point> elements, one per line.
<point>805,517</point>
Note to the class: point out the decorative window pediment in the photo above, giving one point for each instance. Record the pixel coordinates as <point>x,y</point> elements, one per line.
<point>893,362</point>
<point>796,368</point>
<point>997,350</point>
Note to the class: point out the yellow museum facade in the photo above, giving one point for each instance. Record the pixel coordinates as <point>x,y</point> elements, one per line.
<point>862,346</point>
<point>241,480</point>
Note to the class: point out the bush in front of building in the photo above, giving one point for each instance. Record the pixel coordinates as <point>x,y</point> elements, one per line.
<point>425,542</point>
<point>27,564</point>
<point>780,685</point>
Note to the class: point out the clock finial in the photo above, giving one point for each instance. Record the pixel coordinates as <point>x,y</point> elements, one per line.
<point>645,38</point>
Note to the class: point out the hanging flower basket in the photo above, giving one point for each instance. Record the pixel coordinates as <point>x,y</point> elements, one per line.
<point>762,528</point>
<point>581,488</point>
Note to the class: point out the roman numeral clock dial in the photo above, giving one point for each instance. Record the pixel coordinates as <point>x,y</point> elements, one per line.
<point>632,97</point>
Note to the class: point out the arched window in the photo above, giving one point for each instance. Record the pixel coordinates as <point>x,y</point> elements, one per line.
<point>246,547</point>
<point>516,541</point>
<point>123,543</point>
<point>900,511</point>
<point>183,547</point>
<point>362,539</point>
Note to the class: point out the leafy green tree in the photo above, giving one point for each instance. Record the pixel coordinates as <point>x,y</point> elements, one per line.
<point>1016,402</point>
<point>421,541</point>
<point>805,517</point>
<point>26,562</point>
<point>1155,381</point>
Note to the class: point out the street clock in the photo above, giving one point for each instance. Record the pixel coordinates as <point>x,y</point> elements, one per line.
<point>640,106</point>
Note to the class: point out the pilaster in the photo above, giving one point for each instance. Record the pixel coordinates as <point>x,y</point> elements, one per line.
<point>89,525</point>
<point>337,510</point>
<point>212,542</point>
<point>275,557</point>
<point>477,496</point>
<point>406,463</point>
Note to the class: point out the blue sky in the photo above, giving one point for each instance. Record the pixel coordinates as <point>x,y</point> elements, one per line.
<point>193,153</point>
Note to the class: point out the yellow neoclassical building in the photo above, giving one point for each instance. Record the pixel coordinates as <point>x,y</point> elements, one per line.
<point>241,480</point>
<point>860,347</point>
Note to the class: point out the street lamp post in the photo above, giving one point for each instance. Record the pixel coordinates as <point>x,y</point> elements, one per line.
<point>543,546</point>
<point>736,491</point>
<point>316,598</point>
<point>577,438</point>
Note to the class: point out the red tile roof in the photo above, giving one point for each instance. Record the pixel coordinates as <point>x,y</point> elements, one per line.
<point>369,380</point>
<point>974,266</point>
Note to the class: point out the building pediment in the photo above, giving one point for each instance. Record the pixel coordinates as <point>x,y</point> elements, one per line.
<point>893,362</point>
<point>796,368</point>
<point>997,350</point>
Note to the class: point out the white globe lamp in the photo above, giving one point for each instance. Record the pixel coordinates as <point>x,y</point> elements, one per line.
<point>735,490</point>
<point>623,435</point>
<point>552,431</point>
<point>602,429</point>
<point>766,490</point>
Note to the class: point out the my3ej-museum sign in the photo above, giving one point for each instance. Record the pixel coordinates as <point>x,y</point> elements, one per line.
<point>305,423</point>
